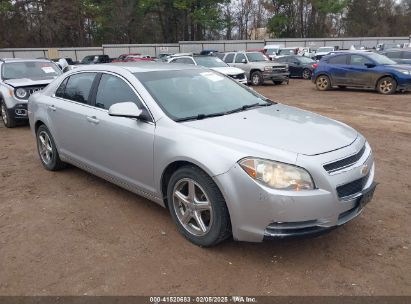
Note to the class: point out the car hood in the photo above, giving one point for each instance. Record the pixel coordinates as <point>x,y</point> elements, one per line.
<point>228,70</point>
<point>281,127</point>
<point>24,82</point>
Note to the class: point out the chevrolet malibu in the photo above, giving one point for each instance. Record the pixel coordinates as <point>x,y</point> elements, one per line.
<point>222,158</point>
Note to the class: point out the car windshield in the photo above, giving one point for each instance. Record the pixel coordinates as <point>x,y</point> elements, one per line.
<point>256,57</point>
<point>325,49</point>
<point>196,94</point>
<point>35,70</point>
<point>380,59</point>
<point>305,59</point>
<point>210,62</point>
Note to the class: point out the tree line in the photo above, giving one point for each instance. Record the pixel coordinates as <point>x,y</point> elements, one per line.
<point>52,23</point>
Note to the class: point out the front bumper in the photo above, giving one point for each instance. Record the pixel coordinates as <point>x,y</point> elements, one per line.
<point>258,212</point>
<point>19,111</point>
<point>267,75</point>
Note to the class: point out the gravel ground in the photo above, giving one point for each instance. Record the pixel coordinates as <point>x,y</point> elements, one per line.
<point>70,233</point>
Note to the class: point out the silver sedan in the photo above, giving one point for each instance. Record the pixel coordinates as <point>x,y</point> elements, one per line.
<point>225,160</point>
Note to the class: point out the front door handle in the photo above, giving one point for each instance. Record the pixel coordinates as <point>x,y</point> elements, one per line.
<point>52,108</point>
<point>92,119</point>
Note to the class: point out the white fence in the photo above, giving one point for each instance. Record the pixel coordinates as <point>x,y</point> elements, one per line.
<point>114,50</point>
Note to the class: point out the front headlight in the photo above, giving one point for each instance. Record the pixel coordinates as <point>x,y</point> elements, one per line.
<point>21,93</point>
<point>277,175</point>
<point>268,68</point>
<point>406,72</point>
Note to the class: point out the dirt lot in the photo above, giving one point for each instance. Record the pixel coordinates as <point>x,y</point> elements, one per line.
<point>70,233</point>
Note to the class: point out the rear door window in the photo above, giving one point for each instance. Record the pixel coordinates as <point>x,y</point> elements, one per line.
<point>78,87</point>
<point>393,54</point>
<point>113,89</point>
<point>340,59</point>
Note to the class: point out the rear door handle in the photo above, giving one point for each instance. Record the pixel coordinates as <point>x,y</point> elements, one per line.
<point>52,108</point>
<point>92,119</point>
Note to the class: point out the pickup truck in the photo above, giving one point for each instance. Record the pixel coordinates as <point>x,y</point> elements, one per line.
<point>257,67</point>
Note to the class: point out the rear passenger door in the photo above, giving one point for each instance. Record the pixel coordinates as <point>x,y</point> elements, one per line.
<point>68,113</point>
<point>120,147</point>
<point>338,69</point>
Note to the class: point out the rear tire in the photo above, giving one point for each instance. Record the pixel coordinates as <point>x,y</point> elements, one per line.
<point>197,207</point>
<point>47,150</point>
<point>323,83</point>
<point>257,78</point>
<point>8,121</point>
<point>387,86</point>
<point>306,74</point>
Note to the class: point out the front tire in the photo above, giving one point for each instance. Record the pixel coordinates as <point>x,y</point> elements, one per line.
<point>197,207</point>
<point>8,120</point>
<point>47,150</point>
<point>387,86</point>
<point>257,78</point>
<point>323,83</point>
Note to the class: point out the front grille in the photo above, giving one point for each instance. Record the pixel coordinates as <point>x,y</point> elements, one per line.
<point>238,76</point>
<point>343,163</point>
<point>352,187</point>
<point>280,69</point>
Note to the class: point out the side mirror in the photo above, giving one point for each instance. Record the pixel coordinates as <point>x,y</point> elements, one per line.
<point>369,65</point>
<point>243,61</point>
<point>125,109</point>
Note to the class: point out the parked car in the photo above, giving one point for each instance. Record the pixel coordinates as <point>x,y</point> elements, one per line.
<point>164,56</point>
<point>286,52</point>
<point>137,58</point>
<point>19,79</point>
<point>65,64</point>
<point>271,50</point>
<point>123,57</point>
<point>299,66</point>
<point>222,158</point>
<point>257,67</point>
<point>386,46</point>
<point>399,55</point>
<point>208,52</point>
<point>325,50</point>
<point>95,59</point>
<point>213,63</point>
<point>362,69</point>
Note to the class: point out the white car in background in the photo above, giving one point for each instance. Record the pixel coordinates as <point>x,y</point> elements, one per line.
<point>213,63</point>
<point>271,50</point>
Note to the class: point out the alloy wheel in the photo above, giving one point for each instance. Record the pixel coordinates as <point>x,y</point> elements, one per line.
<point>45,147</point>
<point>322,83</point>
<point>306,74</point>
<point>386,86</point>
<point>4,114</point>
<point>256,80</point>
<point>193,207</point>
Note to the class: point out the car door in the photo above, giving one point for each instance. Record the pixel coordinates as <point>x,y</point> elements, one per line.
<point>294,66</point>
<point>338,69</point>
<point>359,74</point>
<point>120,147</point>
<point>239,63</point>
<point>69,112</point>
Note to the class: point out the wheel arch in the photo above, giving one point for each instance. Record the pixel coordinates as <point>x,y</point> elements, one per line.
<point>385,75</point>
<point>324,74</point>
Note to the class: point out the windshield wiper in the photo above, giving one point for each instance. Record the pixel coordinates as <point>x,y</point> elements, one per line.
<point>246,107</point>
<point>200,116</point>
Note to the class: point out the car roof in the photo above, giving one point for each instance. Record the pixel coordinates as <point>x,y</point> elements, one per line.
<point>136,67</point>
<point>23,60</point>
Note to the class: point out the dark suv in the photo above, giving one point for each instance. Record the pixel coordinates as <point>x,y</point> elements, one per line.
<point>362,69</point>
<point>94,59</point>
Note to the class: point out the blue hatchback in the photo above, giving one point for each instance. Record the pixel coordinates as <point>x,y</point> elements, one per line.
<point>362,69</point>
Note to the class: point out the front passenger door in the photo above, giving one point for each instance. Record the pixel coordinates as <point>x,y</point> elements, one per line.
<point>122,148</point>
